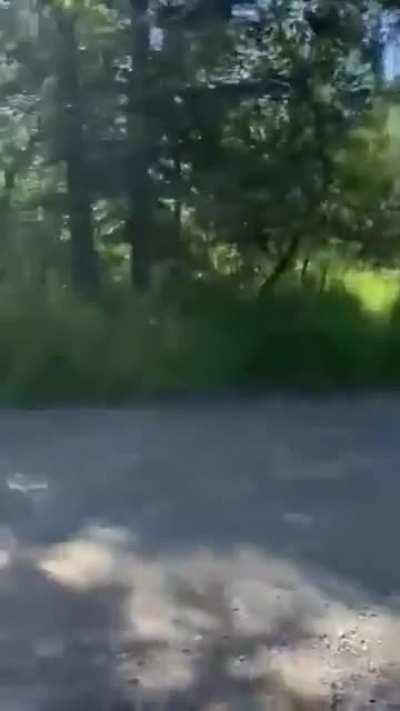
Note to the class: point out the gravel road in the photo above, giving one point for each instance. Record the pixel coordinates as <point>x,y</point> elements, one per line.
<point>236,553</point>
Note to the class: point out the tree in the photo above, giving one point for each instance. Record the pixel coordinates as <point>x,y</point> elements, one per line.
<point>84,266</point>
<point>180,127</point>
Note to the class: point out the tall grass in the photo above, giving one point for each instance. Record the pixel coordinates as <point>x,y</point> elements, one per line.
<point>56,349</point>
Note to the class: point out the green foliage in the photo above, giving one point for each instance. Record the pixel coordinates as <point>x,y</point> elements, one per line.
<point>220,166</point>
<point>55,349</point>
<point>135,124</point>
<point>377,290</point>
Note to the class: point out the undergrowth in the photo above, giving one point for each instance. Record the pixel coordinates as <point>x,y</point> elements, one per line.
<point>56,349</point>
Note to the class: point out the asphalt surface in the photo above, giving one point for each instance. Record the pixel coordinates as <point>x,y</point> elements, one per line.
<point>211,554</point>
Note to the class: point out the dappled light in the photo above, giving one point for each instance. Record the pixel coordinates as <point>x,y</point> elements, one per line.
<point>231,553</point>
<point>195,630</point>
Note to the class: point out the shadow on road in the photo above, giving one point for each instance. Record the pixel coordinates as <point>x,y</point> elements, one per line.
<point>228,555</point>
<point>90,623</point>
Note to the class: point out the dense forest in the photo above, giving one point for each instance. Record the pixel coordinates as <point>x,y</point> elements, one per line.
<point>197,193</point>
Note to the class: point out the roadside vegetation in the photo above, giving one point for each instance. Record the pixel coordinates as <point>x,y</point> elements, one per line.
<point>56,348</point>
<point>197,195</point>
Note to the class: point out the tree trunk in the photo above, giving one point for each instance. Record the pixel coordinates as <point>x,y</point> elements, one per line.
<point>304,270</point>
<point>324,279</point>
<point>84,263</point>
<point>282,266</point>
<point>141,225</point>
<point>84,260</point>
<point>6,217</point>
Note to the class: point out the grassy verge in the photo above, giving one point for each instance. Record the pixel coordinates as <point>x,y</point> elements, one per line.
<point>55,349</point>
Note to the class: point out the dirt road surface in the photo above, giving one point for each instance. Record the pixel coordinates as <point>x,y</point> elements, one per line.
<point>236,553</point>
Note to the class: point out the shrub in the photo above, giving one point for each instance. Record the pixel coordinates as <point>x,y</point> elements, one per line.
<point>59,349</point>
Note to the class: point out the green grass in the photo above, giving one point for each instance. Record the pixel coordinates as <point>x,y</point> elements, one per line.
<point>54,349</point>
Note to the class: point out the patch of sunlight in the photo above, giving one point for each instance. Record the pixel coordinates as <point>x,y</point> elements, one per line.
<point>244,618</point>
<point>377,290</point>
<point>26,484</point>
<point>79,564</point>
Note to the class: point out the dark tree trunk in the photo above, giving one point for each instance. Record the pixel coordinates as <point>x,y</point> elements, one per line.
<point>282,266</point>
<point>140,228</point>
<point>304,270</point>
<point>6,217</point>
<point>84,261</point>
<point>5,201</point>
<point>324,278</point>
<point>141,225</point>
<point>175,50</point>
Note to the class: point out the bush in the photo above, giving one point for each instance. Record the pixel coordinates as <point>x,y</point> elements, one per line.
<point>58,349</point>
